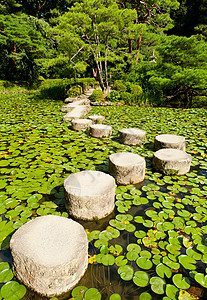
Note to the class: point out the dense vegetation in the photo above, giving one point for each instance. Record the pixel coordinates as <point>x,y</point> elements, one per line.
<point>109,40</point>
<point>155,242</point>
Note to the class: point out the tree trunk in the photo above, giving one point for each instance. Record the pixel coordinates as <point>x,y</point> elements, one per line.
<point>139,46</point>
<point>130,45</point>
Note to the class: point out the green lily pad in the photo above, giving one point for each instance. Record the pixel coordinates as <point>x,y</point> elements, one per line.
<point>79,291</point>
<point>126,272</point>
<point>5,272</point>
<point>163,271</point>
<point>13,289</point>
<point>115,297</point>
<point>145,296</point>
<point>157,285</point>
<point>144,263</point>
<point>201,279</point>
<point>108,260</point>
<point>181,282</point>
<point>187,262</point>
<point>172,292</point>
<point>141,278</point>
<point>92,293</point>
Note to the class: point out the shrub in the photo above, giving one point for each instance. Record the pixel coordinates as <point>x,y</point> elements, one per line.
<point>74,91</point>
<point>119,86</point>
<point>97,95</point>
<point>126,97</point>
<point>113,96</point>
<point>136,92</point>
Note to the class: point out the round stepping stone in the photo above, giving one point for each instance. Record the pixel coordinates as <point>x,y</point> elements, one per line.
<point>172,161</point>
<point>96,119</point>
<point>50,254</point>
<point>132,136</point>
<point>169,141</point>
<point>89,194</point>
<point>79,124</point>
<point>127,167</point>
<point>100,130</point>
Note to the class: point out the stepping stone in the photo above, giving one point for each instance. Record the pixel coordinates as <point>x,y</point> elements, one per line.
<point>50,254</point>
<point>100,130</point>
<point>89,194</point>
<point>172,161</point>
<point>77,112</point>
<point>132,136</point>
<point>170,141</point>
<point>72,105</point>
<point>80,124</point>
<point>127,167</point>
<point>97,119</point>
<point>70,100</point>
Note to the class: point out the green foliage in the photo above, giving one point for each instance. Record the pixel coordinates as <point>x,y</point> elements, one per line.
<point>97,95</point>
<point>74,91</point>
<point>119,86</point>
<point>113,96</point>
<point>54,88</point>
<point>21,43</point>
<point>126,97</point>
<point>136,92</point>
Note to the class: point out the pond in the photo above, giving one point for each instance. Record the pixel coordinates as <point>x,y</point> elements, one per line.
<point>153,246</point>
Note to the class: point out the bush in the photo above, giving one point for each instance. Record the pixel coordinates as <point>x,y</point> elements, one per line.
<point>136,92</point>
<point>119,86</point>
<point>97,95</point>
<point>126,97</point>
<point>74,91</point>
<point>113,96</point>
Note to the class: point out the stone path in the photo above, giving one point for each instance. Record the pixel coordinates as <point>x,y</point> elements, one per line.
<point>50,253</point>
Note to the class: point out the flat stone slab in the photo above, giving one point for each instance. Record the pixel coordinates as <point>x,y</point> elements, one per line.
<point>89,194</point>
<point>132,136</point>
<point>70,106</point>
<point>100,130</point>
<point>172,161</point>
<point>127,167</point>
<point>170,141</point>
<point>50,254</point>
<point>80,124</point>
<point>97,119</point>
<point>77,112</point>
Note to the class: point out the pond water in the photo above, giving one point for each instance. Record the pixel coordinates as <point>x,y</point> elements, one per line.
<point>158,227</point>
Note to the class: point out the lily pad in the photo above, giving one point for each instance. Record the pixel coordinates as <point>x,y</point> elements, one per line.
<point>141,278</point>
<point>157,285</point>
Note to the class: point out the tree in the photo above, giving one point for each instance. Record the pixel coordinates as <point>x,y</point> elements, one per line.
<point>99,30</point>
<point>191,14</point>
<point>21,43</point>
<point>180,75</point>
<point>36,8</point>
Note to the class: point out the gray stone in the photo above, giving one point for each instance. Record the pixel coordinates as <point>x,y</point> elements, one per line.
<point>172,161</point>
<point>70,100</point>
<point>96,119</point>
<point>77,112</point>
<point>89,194</point>
<point>70,106</point>
<point>132,136</point>
<point>170,141</point>
<point>80,124</point>
<point>127,167</point>
<point>100,130</point>
<point>50,254</point>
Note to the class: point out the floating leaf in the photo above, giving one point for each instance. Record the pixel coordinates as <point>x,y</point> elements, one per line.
<point>115,297</point>
<point>201,279</point>
<point>145,296</point>
<point>126,272</point>
<point>144,263</point>
<point>141,278</point>
<point>172,292</point>
<point>187,262</point>
<point>79,291</point>
<point>163,271</point>
<point>14,290</point>
<point>5,272</point>
<point>157,285</point>
<point>181,282</point>
<point>92,293</point>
